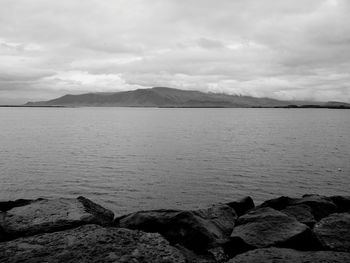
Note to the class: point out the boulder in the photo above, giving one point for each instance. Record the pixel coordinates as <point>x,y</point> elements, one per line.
<point>193,257</point>
<point>221,215</point>
<point>334,232</point>
<point>265,227</point>
<point>302,213</point>
<point>321,206</point>
<point>278,203</point>
<point>342,203</point>
<point>48,215</point>
<point>90,243</point>
<point>285,255</point>
<point>2,232</point>
<point>243,205</point>
<point>198,230</point>
<point>7,205</point>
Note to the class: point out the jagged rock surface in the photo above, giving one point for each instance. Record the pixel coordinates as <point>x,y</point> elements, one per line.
<point>197,230</point>
<point>48,215</point>
<point>78,230</point>
<point>91,243</point>
<point>321,206</point>
<point>302,213</point>
<point>342,203</point>
<point>334,232</point>
<point>266,227</point>
<point>242,206</point>
<point>285,255</point>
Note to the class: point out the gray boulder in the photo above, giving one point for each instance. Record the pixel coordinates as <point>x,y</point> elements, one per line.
<point>303,213</point>
<point>285,255</point>
<point>90,243</point>
<point>214,255</point>
<point>7,205</point>
<point>242,206</point>
<point>2,232</point>
<point>48,215</point>
<point>198,230</point>
<point>321,206</point>
<point>265,227</point>
<point>334,232</point>
<point>342,203</point>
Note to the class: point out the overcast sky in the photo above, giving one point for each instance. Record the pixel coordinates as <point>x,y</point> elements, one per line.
<point>276,48</point>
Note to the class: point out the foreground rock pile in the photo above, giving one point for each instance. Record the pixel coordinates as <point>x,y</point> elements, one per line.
<point>312,228</point>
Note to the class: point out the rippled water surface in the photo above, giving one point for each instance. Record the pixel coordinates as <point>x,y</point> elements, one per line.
<point>129,159</point>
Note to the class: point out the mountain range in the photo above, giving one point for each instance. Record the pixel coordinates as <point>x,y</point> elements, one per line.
<point>169,97</point>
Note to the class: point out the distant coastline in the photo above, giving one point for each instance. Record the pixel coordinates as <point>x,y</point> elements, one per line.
<point>341,107</point>
<point>164,97</point>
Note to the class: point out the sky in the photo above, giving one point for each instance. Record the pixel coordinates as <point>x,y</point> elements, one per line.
<point>281,49</point>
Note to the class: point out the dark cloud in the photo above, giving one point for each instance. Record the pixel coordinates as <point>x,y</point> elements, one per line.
<point>282,49</point>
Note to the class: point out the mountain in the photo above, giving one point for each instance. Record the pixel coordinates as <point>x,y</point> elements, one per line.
<point>165,97</point>
<point>160,97</point>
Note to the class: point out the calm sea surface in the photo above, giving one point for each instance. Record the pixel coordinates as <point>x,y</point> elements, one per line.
<point>129,159</point>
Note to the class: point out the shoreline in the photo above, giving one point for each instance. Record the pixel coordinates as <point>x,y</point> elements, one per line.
<point>184,107</point>
<point>312,226</point>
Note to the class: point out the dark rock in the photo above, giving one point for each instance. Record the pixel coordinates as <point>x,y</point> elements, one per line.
<point>43,216</point>
<point>243,205</point>
<point>7,205</point>
<point>220,215</point>
<point>321,206</point>
<point>285,255</point>
<point>334,232</point>
<point>193,257</point>
<point>342,203</point>
<point>91,243</point>
<point>2,232</point>
<point>198,230</point>
<point>303,213</point>
<point>265,227</point>
<point>213,255</point>
<point>278,203</point>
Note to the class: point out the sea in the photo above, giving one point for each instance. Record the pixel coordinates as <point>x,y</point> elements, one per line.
<point>130,159</point>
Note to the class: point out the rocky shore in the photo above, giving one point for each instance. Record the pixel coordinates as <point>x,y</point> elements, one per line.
<point>311,228</point>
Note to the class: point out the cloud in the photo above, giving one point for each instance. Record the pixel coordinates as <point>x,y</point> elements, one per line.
<point>281,49</point>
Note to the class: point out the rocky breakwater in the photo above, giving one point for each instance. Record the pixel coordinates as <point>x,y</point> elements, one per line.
<point>312,228</point>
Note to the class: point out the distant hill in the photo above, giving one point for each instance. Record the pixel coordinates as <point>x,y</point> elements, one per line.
<point>165,97</point>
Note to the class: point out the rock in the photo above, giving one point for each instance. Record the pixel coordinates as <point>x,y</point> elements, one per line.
<point>243,205</point>
<point>43,216</point>
<point>193,257</point>
<point>265,227</point>
<point>321,206</point>
<point>213,255</point>
<point>303,213</point>
<point>334,232</point>
<point>278,203</point>
<point>219,254</point>
<point>285,255</point>
<point>220,215</point>
<point>2,232</point>
<point>7,205</point>
<point>91,243</point>
<point>197,230</point>
<point>342,203</point>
